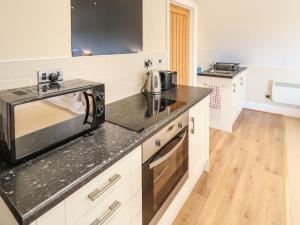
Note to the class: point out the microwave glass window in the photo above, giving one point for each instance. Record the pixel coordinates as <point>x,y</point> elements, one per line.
<point>34,116</point>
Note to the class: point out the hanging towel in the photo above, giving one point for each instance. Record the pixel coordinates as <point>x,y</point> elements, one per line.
<point>216,96</point>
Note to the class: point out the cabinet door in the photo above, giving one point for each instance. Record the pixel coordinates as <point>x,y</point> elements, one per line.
<point>55,216</point>
<point>235,98</point>
<point>244,88</point>
<point>220,118</point>
<point>198,137</point>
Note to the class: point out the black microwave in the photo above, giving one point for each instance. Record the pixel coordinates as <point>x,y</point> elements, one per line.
<point>31,123</point>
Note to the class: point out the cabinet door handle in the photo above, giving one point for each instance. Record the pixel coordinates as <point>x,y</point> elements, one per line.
<point>99,191</point>
<point>193,125</point>
<point>234,87</point>
<point>107,214</point>
<point>242,81</point>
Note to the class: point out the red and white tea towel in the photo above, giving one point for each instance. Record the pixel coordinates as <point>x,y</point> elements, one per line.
<point>216,96</point>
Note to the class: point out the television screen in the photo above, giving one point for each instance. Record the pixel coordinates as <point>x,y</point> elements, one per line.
<point>102,27</point>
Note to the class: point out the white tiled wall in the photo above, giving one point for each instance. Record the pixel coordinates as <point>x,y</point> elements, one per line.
<point>123,75</point>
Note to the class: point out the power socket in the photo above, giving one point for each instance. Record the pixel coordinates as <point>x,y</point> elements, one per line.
<point>148,63</point>
<point>44,76</point>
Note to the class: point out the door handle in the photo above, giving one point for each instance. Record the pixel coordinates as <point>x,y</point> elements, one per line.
<point>169,154</point>
<point>87,96</point>
<point>193,125</point>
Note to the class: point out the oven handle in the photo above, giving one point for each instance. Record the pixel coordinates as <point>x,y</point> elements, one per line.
<point>169,154</point>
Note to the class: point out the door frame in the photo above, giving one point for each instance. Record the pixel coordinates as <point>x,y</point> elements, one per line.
<point>192,7</point>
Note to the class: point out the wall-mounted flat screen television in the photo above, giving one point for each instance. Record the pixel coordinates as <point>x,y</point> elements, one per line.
<point>103,27</point>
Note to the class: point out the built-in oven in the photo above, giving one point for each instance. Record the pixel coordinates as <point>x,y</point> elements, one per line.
<point>165,168</point>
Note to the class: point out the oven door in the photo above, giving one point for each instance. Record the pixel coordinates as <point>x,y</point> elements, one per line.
<point>163,175</point>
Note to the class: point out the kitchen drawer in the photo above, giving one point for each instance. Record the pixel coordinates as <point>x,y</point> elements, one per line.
<point>137,205</point>
<point>55,216</point>
<point>123,213</point>
<point>120,196</point>
<point>136,181</point>
<point>125,186</point>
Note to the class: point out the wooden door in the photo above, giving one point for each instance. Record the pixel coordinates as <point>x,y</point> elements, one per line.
<point>179,43</point>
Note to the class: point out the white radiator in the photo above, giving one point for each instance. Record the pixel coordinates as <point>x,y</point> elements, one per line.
<point>286,93</point>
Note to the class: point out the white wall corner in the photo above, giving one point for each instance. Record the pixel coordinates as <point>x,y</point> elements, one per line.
<point>270,108</point>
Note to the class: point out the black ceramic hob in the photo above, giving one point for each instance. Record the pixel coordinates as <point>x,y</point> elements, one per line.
<point>139,111</point>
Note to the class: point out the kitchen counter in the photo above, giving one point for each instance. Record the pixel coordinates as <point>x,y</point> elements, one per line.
<point>32,188</point>
<point>231,76</point>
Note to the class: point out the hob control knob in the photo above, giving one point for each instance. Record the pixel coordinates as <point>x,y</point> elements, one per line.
<point>180,125</point>
<point>157,143</point>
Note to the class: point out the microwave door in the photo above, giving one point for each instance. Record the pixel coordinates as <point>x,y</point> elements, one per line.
<point>42,123</point>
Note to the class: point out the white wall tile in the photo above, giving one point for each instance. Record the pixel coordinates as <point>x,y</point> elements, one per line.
<point>123,75</point>
<point>5,71</point>
<point>15,83</point>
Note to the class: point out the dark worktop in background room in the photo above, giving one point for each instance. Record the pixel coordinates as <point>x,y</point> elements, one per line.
<point>235,73</point>
<point>32,188</point>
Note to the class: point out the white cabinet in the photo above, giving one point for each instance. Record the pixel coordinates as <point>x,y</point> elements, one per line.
<point>233,97</point>
<point>113,197</point>
<point>199,137</point>
<point>198,157</point>
<point>55,216</point>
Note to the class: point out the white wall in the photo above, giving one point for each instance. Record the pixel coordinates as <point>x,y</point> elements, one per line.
<point>207,53</point>
<point>263,35</point>
<point>35,29</point>
<point>36,34</point>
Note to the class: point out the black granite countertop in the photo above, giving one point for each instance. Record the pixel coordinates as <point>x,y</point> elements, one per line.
<point>32,188</point>
<point>207,73</point>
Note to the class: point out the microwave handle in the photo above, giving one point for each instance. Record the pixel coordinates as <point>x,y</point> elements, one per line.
<point>87,96</point>
<point>169,154</point>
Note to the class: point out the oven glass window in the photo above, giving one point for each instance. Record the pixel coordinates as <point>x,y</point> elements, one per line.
<point>162,174</point>
<point>166,176</point>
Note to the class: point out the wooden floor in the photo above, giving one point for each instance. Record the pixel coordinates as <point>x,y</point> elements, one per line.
<point>245,184</point>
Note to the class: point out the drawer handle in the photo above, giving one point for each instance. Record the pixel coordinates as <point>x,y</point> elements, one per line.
<point>107,214</point>
<point>99,191</point>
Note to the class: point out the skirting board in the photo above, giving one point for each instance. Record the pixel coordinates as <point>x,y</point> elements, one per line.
<point>290,112</point>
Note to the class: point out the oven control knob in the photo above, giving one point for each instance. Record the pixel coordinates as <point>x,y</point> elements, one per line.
<point>157,143</point>
<point>180,125</point>
<point>100,111</point>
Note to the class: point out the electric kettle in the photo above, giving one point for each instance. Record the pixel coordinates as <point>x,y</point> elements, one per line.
<point>153,82</point>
